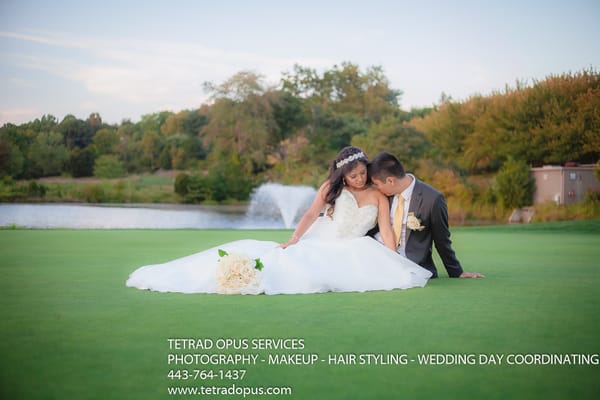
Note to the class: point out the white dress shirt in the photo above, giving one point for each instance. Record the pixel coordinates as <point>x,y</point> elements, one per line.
<point>406,194</point>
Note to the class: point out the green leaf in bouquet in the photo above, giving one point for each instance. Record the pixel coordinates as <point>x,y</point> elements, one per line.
<point>258,265</point>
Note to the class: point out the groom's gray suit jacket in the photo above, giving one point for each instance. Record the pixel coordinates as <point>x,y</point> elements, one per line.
<point>429,206</point>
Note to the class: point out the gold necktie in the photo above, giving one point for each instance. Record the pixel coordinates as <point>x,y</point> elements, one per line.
<point>398,217</point>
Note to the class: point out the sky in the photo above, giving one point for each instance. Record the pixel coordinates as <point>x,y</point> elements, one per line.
<point>124,59</point>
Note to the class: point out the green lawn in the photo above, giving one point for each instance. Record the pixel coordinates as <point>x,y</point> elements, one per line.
<point>72,330</point>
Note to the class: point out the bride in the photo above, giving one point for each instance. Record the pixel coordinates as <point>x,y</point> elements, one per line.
<point>328,250</point>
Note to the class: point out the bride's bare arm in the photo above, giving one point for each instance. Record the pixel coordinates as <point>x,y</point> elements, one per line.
<point>383,220</point>
<point>309,216</point>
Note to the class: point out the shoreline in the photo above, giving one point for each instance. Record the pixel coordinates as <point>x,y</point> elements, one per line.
<point>155,206</point>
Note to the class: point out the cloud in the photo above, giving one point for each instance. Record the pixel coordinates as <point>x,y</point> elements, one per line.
<point>27,83</point>
<point>48,39</point>
<point>146,73</point>
<point>17,115</point>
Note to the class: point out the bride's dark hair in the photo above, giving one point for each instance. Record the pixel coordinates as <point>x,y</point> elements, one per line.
<point>346,161</point>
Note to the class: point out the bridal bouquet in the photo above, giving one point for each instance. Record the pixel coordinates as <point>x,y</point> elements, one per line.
<point>238,274</point>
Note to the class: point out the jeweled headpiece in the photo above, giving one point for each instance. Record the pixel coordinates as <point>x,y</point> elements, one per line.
<point>348,159</point>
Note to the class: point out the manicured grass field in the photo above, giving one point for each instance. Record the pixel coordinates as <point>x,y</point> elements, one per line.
<point>72,330</point>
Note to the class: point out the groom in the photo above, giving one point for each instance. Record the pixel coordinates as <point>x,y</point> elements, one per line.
<point>419,216</point>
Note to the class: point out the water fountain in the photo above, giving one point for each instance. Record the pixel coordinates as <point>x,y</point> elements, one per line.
<point>272,202</point>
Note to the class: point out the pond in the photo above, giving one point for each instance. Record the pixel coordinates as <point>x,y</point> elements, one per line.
<point>272,206</point>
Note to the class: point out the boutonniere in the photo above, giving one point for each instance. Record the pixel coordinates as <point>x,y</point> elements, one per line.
<point>413,223</point>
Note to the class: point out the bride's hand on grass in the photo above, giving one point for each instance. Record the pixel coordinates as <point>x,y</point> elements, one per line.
<point>471,275</point>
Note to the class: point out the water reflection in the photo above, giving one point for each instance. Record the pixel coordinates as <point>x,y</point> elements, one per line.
<point>272,206</point>
<point>77,216</point>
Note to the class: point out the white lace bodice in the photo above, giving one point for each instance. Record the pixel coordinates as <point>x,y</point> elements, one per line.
<point>350,219</point>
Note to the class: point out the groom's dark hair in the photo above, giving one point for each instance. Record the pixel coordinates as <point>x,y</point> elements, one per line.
<point>384,165</point>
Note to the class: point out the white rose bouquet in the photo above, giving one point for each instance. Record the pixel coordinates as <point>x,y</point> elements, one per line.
<point>413,223</point>
<point>238,274</point>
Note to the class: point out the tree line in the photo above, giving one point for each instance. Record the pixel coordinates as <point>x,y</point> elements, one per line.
<point>550,122</point>
<point>250,132</point>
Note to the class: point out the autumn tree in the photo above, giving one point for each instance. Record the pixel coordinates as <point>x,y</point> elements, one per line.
<point>514,185</point>
<point>76,133</point>
<point>183,139</point>
<point>552,121</point>
<point>241,124</point>
<point>341,102</point>
<point>106,141</point>
<point>396,137</point>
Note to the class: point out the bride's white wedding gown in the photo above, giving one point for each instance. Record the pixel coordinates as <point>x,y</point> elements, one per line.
<point>333,255</point>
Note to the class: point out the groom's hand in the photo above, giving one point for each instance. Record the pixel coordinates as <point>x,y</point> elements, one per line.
<point>471,275</point>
